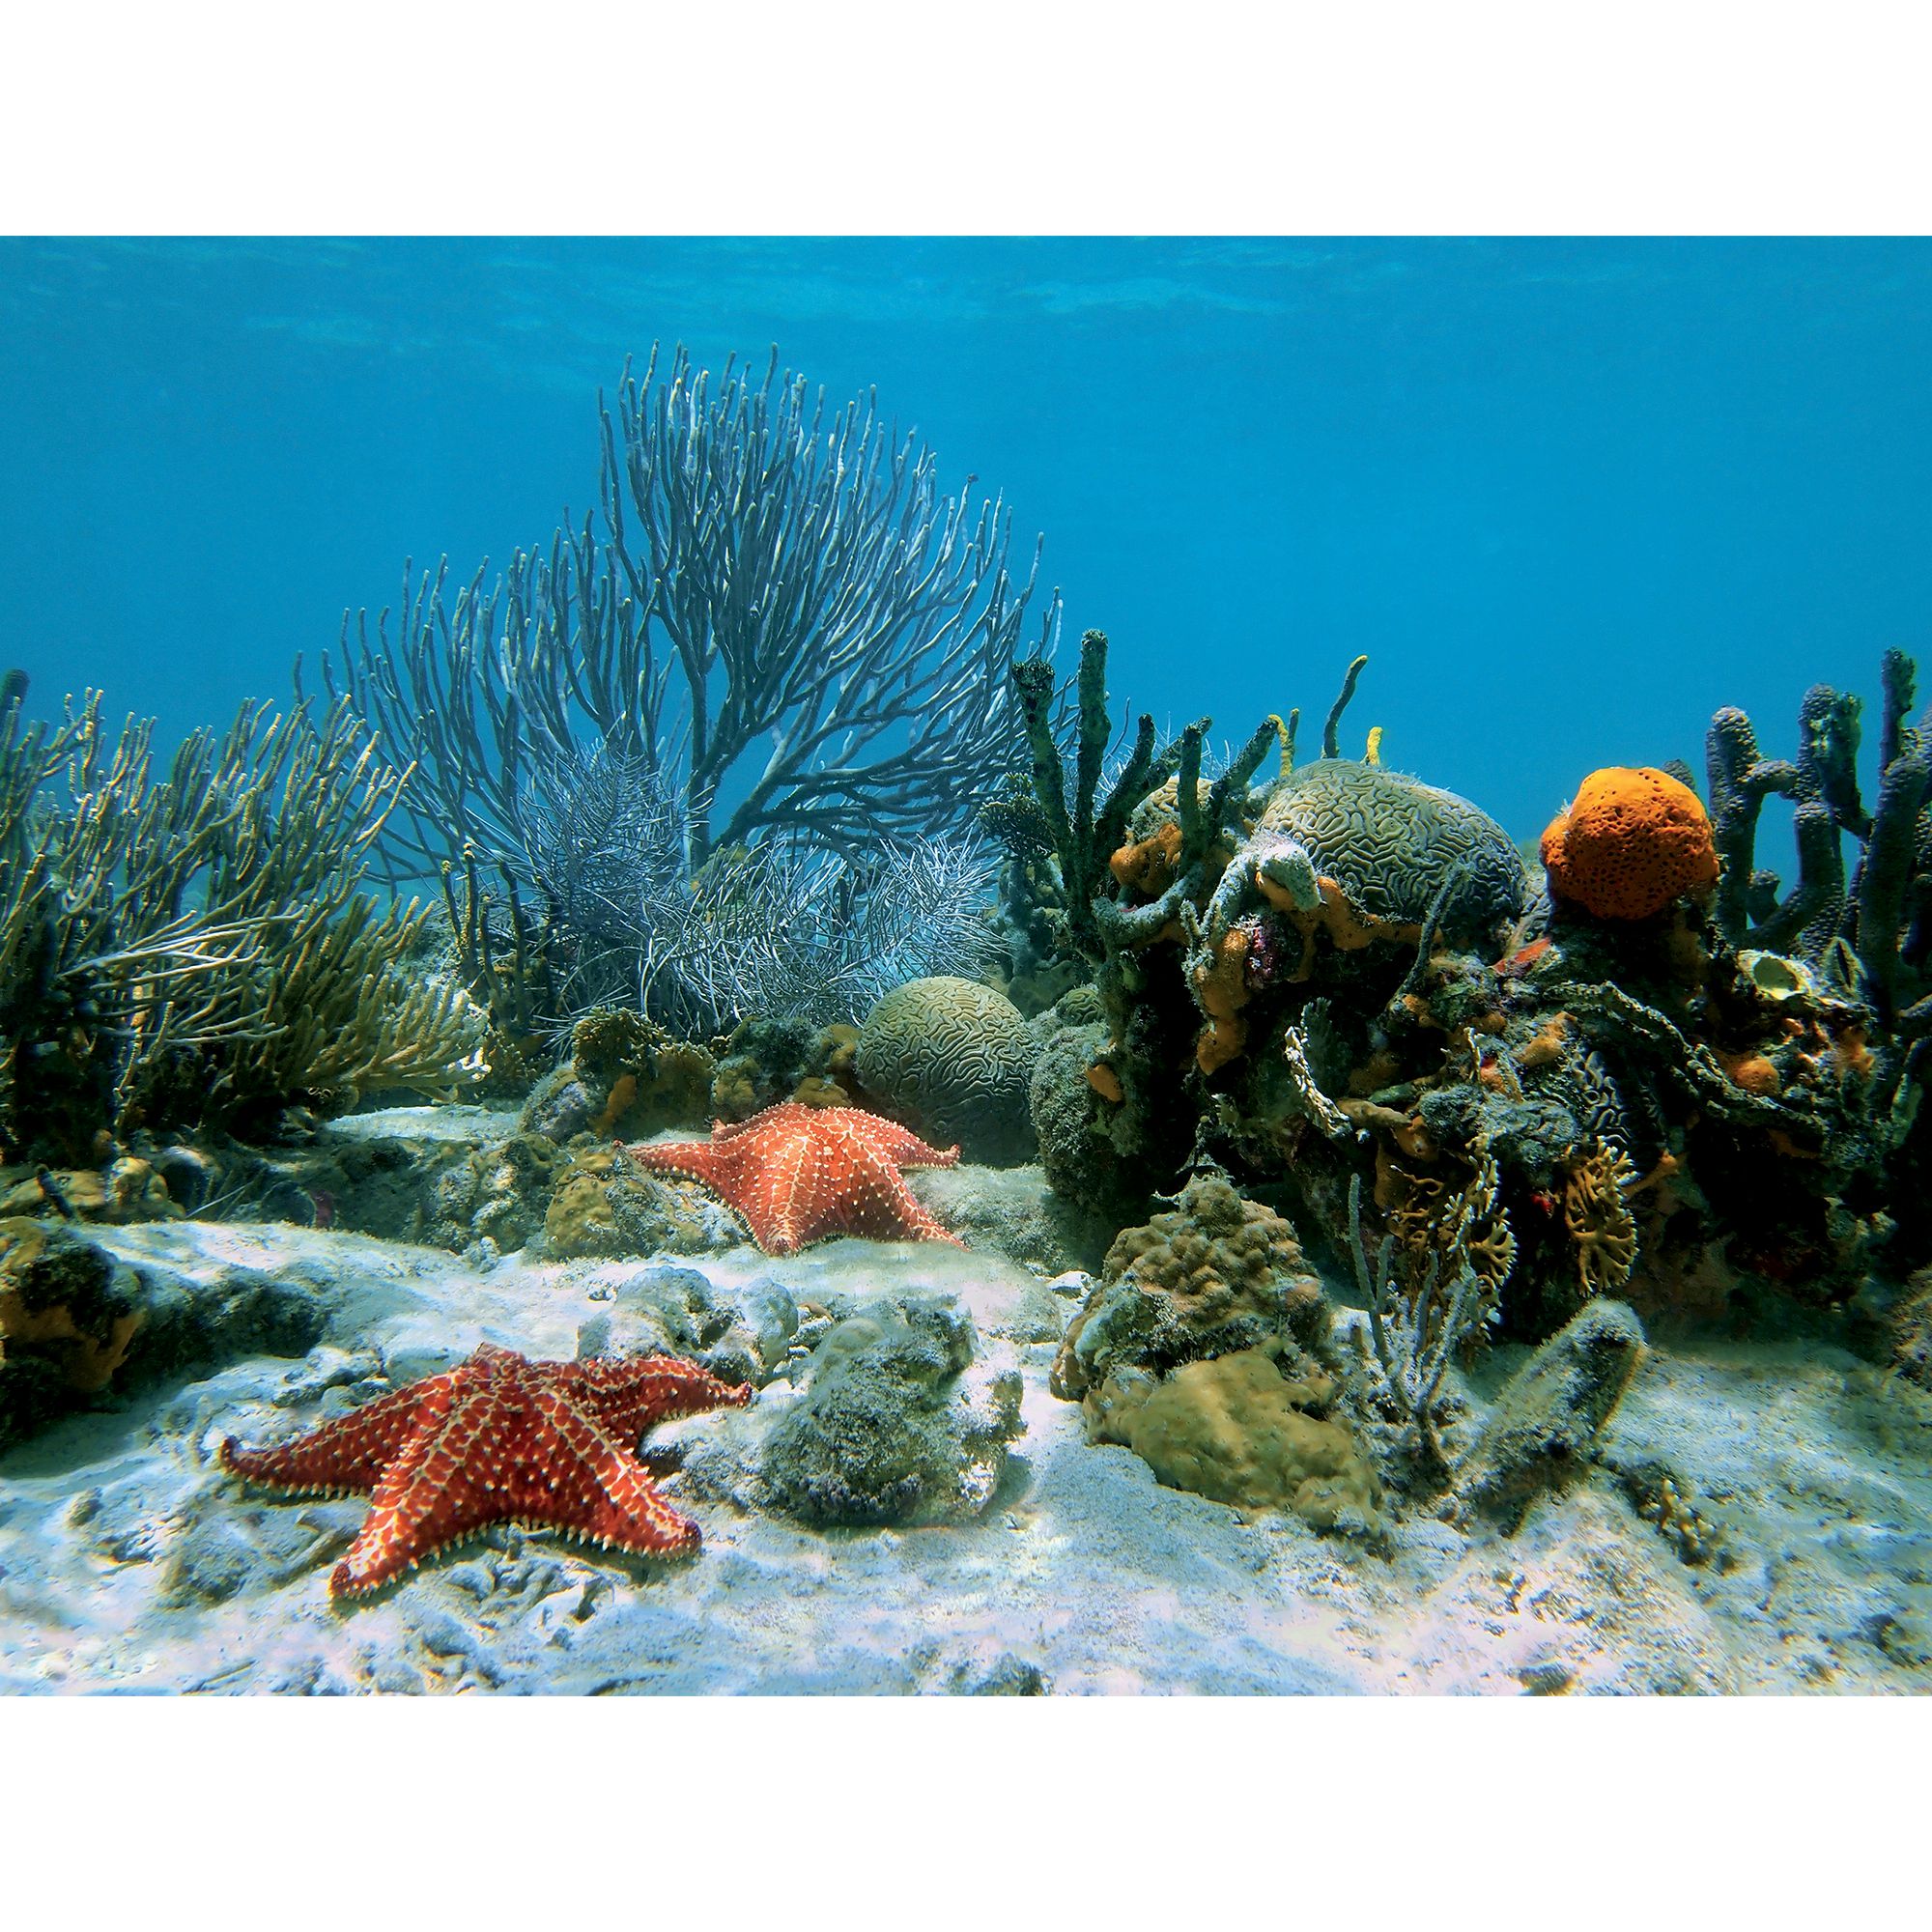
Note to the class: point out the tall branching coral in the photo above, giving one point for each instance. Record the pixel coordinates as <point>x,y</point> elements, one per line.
<point>192,946</point>
<point>784,620</point>
<point>1411,1339</point>
<point>1882,913</point>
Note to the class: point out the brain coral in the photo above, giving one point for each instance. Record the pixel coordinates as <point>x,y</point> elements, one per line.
<point>1389,841</point>
<point>1631,843</point>
<point>955,1056</point>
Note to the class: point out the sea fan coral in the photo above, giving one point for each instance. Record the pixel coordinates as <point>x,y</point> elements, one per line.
<point>1634,840</point>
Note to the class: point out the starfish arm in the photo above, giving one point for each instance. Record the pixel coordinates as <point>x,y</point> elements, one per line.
<point>581,1479</point>
<point>904,1147</point>
<point>887,1209</point>
<point>450,1477</point>
<point>784,1212</point>
<point>628,1394</point>
<point>692,1159</point>
<point>347,1454</point>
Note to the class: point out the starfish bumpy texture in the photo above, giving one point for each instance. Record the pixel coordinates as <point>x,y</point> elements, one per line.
<point>799,1175</point>
<point>498,1438</point>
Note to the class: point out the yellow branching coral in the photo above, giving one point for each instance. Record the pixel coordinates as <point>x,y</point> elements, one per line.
<point>1431,1220</point>
<point>1598,1218</point>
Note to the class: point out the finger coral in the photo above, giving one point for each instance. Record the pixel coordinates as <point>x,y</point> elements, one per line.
<point>1634,840</point>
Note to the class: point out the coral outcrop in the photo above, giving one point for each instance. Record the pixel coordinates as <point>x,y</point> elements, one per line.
<point>1633,840</point>
<point>953,1057</point>
<point>888,1429</point>
<point>1212,1276</point>
<point>1237,1431</point>
<point>68,1317</point>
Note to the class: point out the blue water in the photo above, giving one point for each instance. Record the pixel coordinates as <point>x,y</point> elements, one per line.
<point>1570,495</point>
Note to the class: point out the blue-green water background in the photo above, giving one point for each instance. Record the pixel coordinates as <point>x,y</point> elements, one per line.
<point>1570,495</point>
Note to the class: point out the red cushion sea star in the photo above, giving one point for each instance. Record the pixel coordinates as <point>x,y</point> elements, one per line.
<point>499,1439</point>
<point>798,1173</point>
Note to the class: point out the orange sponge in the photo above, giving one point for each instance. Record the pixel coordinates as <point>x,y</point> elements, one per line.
<point>1631,843</point>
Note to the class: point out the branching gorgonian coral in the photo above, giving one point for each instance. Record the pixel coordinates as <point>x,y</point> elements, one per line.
<point>778,929</point>
<point>783,621</point>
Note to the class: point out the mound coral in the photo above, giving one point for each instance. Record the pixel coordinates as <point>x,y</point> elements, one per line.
<point>1393,843</point>
<point>1634,840</point>
<point>1214,1275</point>
<point>1361,853</point>
<point>956,1057</point>
<point>1236,1431</point>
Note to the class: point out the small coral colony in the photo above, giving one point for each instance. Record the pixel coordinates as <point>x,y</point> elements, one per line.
<point>752,839</point>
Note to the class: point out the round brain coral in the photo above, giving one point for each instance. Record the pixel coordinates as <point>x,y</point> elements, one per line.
<point>956,1057</point>
<point>1633,840</point>
<point>1391,842</point>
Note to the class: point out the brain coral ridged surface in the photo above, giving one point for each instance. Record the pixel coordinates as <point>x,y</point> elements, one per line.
<point>1389,841</point>
<point>1632,842</point>
<point>956,1056</point>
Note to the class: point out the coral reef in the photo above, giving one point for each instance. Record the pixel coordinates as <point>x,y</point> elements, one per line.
<point>1633,842</point>
<point>796,849</point>
<point>1882,915</point>
<point>625,1077</point>
<point>602,1203</point>
<point>772,1058</point>
<point>198,949</point>
<point>954,1059</point>
<point>1212,1276</point>
<point>1404,1355</point>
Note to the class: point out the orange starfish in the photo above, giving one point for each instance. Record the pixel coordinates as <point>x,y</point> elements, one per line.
<point>497,1440</point>
<point>798,1173</point>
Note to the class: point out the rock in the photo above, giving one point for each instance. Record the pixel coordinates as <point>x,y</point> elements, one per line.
<point>1542,1428</point>
<point>899,1423</point>
<point>1013,1211</point>
<point>212,1562</point>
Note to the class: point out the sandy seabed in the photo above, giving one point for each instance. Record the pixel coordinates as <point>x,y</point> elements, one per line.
<point>130,1562</point>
